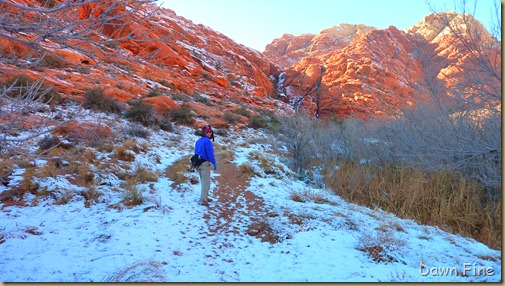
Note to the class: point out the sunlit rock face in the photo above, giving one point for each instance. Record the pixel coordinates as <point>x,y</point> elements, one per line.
<point>344,71</point>
<point>360,71</point>
<point>187,60</point>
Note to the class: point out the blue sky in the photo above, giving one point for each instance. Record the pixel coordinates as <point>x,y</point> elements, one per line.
<point>256,23</point>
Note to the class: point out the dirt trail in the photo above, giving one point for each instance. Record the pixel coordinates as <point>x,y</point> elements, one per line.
<point>231,203</point>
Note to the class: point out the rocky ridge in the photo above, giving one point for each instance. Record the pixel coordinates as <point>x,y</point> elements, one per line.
<point>344,71</point>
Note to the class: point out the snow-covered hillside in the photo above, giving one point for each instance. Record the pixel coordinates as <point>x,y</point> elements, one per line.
<point>318,237</point>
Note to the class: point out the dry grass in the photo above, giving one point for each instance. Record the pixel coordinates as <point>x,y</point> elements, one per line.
<point>132,193</point>
<point>143,175</point>
<point>27,183</point>
<point>177,171</point>
<point>443,199</point>
<point>246,170</point>
<point>128,150</point>
<point>264,231</point>
<point>124,154</point>
<point>226,155</point>
<point>85,175</point>
<point>380,243</point>
<point>149,271</point>
<point>269,167</point>
<point>308,195</point>
<point>91,195</point>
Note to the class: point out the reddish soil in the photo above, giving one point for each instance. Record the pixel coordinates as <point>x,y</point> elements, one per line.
<point>228,203</point>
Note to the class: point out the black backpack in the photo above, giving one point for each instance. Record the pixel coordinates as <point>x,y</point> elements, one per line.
<point>196,160</point>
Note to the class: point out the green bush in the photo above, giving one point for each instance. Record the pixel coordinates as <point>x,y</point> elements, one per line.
<point>154,92</point>
<point>243,111</point>
<point>182,114</point>
<point>136,130</point>
<point>96,100</point>
<point>202,99</point>
<point>166,125</point>
<point>231,117</point>
<point>142,113</point>
<point>257,122</point>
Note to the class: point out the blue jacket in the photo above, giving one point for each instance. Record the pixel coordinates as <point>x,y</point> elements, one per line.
<point>204,148</point>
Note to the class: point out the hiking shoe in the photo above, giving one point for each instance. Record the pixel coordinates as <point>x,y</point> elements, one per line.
<point>209,200</point>
<point>204,203</point>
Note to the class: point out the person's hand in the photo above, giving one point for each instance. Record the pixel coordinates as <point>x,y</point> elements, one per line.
<point>215,166</point>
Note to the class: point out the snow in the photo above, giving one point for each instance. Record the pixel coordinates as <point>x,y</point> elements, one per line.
<point>178,240</point>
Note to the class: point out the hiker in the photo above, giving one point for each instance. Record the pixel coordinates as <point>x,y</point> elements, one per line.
<point>204,148</point>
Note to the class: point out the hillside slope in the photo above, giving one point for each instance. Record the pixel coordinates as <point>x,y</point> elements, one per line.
<point>262,226</point>
<point>344,71</point>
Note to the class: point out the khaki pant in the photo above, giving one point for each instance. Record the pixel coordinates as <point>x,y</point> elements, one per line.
<point>204,172</point>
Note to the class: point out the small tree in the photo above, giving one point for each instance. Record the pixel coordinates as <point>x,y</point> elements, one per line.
<point>296,132</point>
<point>19,113</point>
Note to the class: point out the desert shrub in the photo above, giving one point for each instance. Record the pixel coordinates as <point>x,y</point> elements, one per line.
<point>50,169</point>
<point>226,155</point>
<point>181,97</point>
<point>257,122</point>
<point>124,154</point>
<point>105,146</point>
<point>206,75</point>
<point>220,132</point>
<point>242,110</point>
<point>54,62</point>
<point>96,100</point>
<point>135,146</point>
<point>264,231</point>
<point>142,113</point>
<point>308,195</point>
<point>148,271</point>
<point>166,124</point>
<point>85,175</point>
<point>154,92</point>
<point>28,184</point>
<point>231,118</point>
<point>182,114</point>
<point>165,83</point>
<point>136,130</point>
<point>202,99</point>
<point>6,168</point>
<point>128,150</point>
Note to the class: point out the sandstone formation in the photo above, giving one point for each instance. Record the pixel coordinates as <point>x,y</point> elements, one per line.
<point>345,71</point>
<point>359,71</point>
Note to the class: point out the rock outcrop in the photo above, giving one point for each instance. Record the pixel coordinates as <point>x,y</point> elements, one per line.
<point>344,71</point>
<point>359,71</point>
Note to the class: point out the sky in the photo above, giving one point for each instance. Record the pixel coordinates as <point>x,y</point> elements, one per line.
<point>170,238</point>
<point>257,23</point>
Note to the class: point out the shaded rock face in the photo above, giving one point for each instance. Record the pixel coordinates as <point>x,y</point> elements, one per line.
<point>344,71</point>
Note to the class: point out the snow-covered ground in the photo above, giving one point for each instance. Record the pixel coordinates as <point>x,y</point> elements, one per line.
<point>177,240</point>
